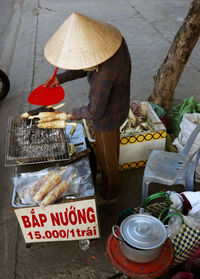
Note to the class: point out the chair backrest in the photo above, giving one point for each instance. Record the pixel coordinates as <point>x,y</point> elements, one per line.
<point>184,168</point>
<point>191,140</point>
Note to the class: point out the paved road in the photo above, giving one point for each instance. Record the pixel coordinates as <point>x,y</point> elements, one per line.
<point>149,27</point>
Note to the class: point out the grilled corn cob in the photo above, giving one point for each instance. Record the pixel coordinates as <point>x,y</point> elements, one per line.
<point>57,192</point>
<point>41,109</point>
<point>47,186</point>
<point>40,183</point>
<point>59,116</point>
<point>57,124</point>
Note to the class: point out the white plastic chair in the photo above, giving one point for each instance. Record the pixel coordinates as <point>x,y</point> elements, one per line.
<point>170,168</point>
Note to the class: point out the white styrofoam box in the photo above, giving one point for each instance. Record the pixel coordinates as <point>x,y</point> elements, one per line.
<point>136,148</point>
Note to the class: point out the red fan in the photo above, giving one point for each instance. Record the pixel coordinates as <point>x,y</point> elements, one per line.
<point>44,96</point>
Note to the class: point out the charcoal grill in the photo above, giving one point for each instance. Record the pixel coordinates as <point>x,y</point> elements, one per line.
<point>27,144</point>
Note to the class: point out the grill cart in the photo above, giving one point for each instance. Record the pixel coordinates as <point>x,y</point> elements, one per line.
<point>33,151</point>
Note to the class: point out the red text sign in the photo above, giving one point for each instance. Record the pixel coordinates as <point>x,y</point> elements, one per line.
<point>59,222</point>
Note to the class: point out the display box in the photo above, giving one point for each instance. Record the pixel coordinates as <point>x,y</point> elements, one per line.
<point>136,148</point>
<point>74,217</point>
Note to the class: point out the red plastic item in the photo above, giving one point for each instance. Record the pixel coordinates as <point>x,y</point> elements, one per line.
<point>44,96</point>
<point>125,266</point>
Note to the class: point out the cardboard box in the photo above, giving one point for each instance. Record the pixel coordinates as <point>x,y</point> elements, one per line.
<point>136,148</point>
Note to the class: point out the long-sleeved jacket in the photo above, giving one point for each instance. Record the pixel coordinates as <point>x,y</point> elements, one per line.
<point>109,96</point>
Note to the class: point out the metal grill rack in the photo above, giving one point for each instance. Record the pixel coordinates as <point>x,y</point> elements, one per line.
<point>27,144</point>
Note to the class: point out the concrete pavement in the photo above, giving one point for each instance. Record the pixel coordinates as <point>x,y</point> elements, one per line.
<point>148,27</point>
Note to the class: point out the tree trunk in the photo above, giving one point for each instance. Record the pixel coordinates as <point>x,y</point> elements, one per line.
<point>172,67</point>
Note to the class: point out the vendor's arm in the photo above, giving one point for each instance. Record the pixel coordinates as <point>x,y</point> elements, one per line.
<point>70,75</point>
<point>66,76</point>
<point>100,90</point>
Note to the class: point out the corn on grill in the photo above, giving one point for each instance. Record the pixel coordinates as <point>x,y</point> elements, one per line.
<point>27,144</point>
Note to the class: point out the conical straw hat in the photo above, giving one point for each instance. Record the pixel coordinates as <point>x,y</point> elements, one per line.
<point>82,42</point>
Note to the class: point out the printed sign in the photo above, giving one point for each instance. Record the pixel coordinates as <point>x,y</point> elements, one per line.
<point>59,222</point>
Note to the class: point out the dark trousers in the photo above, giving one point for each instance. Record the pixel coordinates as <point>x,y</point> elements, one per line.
<point>107,153</point>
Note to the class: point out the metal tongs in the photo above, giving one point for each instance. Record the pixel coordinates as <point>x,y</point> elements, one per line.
<point>74,125</point>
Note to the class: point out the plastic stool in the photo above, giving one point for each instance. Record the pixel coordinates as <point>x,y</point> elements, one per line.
<point>127,267</point>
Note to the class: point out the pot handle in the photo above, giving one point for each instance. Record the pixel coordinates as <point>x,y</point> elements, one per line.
<point>175,212</point>
<point>114,227</point>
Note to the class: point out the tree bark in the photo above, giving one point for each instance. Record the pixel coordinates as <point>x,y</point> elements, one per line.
<point>172,67</point>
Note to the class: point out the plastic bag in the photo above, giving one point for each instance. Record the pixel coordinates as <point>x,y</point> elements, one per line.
<point>192,221</point>
<point>174,226</point>
<point>176,200</point>
<point>192,197</point>
<point>175,115</point>
<point>184,234</point>
<point>187,125</point>
<point>175,223</point>
<point>158,110</point>
<point>195,211</point>
<point>26,183</point>
<point>46,186</point>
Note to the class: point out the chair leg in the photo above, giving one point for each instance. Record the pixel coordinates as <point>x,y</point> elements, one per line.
<point>190,178</point>
<point>190,182</point>
<point>145,186</point>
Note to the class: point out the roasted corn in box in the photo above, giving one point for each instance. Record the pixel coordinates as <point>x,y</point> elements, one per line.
<point>142,132</point>
<point>55,204</point>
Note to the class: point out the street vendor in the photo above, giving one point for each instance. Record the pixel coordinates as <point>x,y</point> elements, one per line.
<point>90,48</point>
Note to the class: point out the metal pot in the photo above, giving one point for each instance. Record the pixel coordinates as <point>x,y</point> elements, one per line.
<point>141,237</point>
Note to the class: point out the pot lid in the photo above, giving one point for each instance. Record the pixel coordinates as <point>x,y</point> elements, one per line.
<point>143,231</point>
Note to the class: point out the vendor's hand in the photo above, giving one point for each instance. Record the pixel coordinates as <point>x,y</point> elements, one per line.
<point>53,84</point>
<point>71,117</point>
